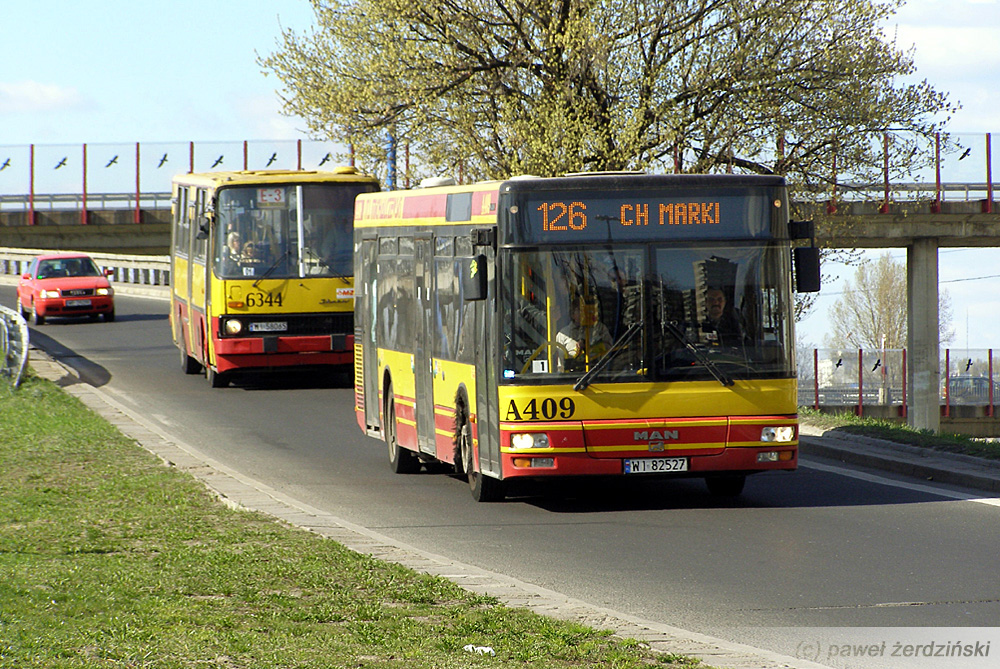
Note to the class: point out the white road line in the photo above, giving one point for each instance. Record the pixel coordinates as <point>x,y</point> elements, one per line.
<point>881,480</point>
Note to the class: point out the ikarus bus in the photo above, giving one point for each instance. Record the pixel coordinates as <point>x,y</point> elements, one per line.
<point>262,270</point>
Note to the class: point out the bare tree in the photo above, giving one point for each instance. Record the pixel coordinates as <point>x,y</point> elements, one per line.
<point>872,314</point>
<point>502,87</point>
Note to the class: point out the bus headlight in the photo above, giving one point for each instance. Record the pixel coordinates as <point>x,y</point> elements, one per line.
<point>233,326</point>
<point>528,440</point>
<point>782,434</point>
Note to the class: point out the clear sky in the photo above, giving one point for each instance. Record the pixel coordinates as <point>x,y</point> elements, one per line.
<point>121,71</point>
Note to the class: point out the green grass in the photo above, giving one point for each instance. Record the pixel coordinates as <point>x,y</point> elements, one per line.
<point>902,434</point>
<point>111,559</point>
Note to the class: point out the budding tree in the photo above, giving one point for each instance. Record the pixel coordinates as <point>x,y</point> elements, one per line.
<point>502,87</point>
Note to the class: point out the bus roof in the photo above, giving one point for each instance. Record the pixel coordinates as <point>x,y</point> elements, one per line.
<point>251,177</point>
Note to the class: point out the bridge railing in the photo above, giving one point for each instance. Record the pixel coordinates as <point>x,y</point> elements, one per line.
<point>135,270</point>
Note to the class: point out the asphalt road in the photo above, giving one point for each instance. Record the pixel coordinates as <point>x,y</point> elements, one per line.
<point>822,547</point>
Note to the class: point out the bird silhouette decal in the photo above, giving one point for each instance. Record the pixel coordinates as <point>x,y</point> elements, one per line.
<point>112,161</point>
<point>274,156</point>
<point>966,154</point>
<point>327,158</point>
<point>62,163</point>
<point>968,365</point>
<point>839,363</point>
<point>218,161</point>
<point>878,363</point>
<point>162,160</point>
<point>5,165</point>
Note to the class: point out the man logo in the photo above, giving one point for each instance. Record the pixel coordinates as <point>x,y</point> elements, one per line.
<point>655,439</point>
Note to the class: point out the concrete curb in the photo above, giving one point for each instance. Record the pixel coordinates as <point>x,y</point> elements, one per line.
<point>922,463</point>
<point>240,491</point>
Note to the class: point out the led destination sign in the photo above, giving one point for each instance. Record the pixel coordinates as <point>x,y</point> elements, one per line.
<point>640,215</point>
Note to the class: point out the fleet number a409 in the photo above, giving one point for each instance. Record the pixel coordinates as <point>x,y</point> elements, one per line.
<point>548,408</point>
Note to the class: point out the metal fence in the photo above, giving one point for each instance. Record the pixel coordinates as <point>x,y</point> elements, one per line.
<point>858,378</point>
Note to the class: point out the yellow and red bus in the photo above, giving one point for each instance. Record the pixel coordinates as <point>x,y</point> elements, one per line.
<point>569,326</point>
<point>262,265</point>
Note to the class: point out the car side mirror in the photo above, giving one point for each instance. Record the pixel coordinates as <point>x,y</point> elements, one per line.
<point>26,276</point>
<point>109,272</point>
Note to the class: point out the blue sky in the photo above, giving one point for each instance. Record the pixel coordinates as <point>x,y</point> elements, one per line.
<point>121,71</point>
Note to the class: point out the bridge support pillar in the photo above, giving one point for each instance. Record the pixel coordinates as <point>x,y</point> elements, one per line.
<point>922,334</point>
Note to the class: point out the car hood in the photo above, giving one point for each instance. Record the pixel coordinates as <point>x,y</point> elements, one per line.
<point>71,282</point>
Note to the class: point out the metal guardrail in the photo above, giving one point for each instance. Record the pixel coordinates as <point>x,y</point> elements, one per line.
<point>74,201</point>
<point>139,270</point>
<point>13,345</point>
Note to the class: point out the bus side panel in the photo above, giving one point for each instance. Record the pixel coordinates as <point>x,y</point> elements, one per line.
<point>449,379</point>
<point>179,308</point>
<point>399,367</point>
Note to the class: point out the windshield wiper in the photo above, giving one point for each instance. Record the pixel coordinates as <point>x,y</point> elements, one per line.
<point>270,269</point>
<point>606,359</point>
<point>699,355</point>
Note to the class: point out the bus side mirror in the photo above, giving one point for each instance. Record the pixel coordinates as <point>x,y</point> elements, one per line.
<point>474,279</point>
<point>206,225</point>
<point>806,260</point>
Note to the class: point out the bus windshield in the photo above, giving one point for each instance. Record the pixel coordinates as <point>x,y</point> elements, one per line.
<point>285,231</point>
<point>647,313</point>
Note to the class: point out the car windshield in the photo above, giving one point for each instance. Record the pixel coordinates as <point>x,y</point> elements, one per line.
<point>65,267</point>
<point>647,313</point>
<point>286,231</point>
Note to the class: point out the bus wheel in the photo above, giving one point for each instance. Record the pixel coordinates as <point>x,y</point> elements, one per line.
<point>725,486</point>
<point>188,364</point>
<point>484,488</point>
<point>401,460</point>
<point>216,379</point>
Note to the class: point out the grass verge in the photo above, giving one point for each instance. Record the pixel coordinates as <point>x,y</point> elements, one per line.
<point>901,434</point>
<point>111,559</point>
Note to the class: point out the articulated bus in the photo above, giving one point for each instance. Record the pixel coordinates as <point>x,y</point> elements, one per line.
<point>611,325</point>
<point>262,269</point>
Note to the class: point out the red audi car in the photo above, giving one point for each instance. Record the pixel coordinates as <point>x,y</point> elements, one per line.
<point>64,285</point>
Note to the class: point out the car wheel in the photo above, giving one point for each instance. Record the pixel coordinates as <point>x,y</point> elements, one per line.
<point>36,318</point>
<point>109,316</point>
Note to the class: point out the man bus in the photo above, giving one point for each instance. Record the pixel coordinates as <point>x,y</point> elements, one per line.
<point>558,327</point>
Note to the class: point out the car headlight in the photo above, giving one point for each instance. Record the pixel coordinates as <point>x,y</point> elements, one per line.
<point>782,434</point>
<point>529,440</point>
<point>103,291</point>
<point>233,326</point>
<point>48,293</point>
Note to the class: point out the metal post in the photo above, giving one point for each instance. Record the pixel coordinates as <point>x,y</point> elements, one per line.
<point>83,213</point>
<point>31,184</point>
<point>989,176</point>
<point>861,383</point>
<point>885,170</point>
<point>936,207</point>
<point>989,408</point>
<point>298,151</point>
<point>947,382</point>
<point>816,378</point>
<point>138,211</point>
<point>190,157</point>
<point>905,379</point>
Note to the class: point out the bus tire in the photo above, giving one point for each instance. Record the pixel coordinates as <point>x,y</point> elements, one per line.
<point>484,488</point>
<point>188,364</point>
<point>725,486</point>
<point>401,460</point>
<point>216,379</point>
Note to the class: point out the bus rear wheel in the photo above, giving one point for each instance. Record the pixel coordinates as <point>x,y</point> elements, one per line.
<point>484,488</point>
<point>188,364</point>
<point>401,460</point>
